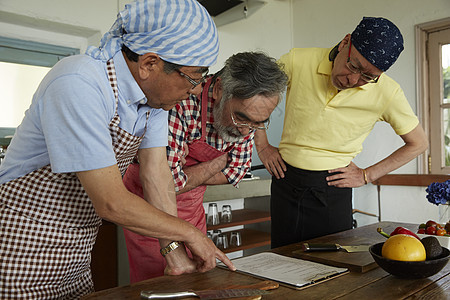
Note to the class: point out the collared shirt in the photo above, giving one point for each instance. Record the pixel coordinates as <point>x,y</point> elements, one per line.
<point>323,128</point>
<point>185,125</point>
<point>66,125</point>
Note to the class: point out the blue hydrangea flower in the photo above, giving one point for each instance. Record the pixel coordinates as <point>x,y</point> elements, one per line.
<point>439,192</point>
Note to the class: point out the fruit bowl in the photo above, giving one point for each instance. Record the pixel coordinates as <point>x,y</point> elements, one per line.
<point>409,269</point>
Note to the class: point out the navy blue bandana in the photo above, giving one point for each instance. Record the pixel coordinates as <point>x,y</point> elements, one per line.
<point>379,41</point>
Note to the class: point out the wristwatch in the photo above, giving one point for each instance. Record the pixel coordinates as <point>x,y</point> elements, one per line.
<point>169,248</point>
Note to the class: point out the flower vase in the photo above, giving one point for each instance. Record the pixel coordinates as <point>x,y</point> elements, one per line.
<point>444,213</point>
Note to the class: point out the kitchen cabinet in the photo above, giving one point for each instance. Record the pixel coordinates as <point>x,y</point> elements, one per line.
<point>251,238</point>
<point>104,257</point>
<point>255,217</point>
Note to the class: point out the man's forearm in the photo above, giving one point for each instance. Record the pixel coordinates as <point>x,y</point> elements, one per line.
<point>159,190</point>
<point>415,144</point>
<point>200,173</point>
<point>157,182</point>
<point>113,202</point>
<point>394,161</point>
<point>160,193</point>
<point>219,178</point>
<point>261,141</point>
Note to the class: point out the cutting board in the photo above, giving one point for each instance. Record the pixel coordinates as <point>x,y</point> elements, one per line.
<point>356,261</point>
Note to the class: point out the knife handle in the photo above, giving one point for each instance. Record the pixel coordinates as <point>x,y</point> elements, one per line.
<point>158,295</point>
<point>320,247</point>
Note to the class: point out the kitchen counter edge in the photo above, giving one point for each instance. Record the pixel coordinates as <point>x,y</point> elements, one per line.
<point>247,189</point>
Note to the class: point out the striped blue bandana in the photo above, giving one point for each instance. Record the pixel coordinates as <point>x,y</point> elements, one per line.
<point>379,41</point>
<point>179,31</point>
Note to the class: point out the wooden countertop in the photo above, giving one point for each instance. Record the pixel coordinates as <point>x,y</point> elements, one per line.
<point>373,283</point>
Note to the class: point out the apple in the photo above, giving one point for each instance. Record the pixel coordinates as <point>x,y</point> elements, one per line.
<point>430,223</point>
<point>431,230</point>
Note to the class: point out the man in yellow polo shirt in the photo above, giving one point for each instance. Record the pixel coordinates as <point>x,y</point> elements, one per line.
<point>334,98</point>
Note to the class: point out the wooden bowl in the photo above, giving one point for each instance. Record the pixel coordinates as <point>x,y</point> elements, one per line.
<point>410,269</point>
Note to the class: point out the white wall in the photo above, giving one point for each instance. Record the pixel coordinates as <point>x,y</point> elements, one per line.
<point>64,23</point>
<point>269,29</point>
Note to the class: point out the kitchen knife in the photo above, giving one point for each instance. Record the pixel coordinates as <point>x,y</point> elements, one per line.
<point>334,247</point>
<point>206,294</point>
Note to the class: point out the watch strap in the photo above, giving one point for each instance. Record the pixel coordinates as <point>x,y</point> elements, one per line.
<point>169,248</point>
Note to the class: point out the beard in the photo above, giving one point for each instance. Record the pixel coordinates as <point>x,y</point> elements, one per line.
<point>228,134</point>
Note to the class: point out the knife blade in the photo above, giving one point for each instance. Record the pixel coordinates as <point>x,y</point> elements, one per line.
<point>334,247</point>
<point>206,294</point>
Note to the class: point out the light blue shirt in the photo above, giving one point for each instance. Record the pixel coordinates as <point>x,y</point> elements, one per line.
<point>66,125</point>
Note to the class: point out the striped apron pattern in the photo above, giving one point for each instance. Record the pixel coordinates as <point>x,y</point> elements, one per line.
<point>48,226</point>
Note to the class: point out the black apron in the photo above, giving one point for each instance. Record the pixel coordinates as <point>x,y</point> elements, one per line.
<point>303,207</point>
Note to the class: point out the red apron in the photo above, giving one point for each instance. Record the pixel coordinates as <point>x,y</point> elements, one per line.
<point>143,252</point>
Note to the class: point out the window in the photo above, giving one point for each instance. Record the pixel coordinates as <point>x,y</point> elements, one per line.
<point>32,53</point>
<point>23,64</point>
<point>434,93</point>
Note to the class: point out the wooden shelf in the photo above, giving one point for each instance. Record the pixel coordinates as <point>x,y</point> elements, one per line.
<point>250,239</point>
<point>243,217</point>
<point>410,179</point>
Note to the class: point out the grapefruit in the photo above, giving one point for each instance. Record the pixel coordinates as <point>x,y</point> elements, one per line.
<point>403,247</point>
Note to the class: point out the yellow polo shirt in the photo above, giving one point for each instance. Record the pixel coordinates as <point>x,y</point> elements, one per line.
<point>324,129</point>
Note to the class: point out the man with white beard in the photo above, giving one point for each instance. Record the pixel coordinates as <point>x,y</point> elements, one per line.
<point>210,142</point>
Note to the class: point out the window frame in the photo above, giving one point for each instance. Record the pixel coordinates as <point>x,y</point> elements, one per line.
<point>32,53</point>
<point>431,161</point>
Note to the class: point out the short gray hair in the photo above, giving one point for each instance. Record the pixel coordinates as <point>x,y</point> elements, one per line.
<point>247,74</point>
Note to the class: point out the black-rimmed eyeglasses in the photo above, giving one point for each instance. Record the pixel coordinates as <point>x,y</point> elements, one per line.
<point>251,127</point>
<point>355,70</point>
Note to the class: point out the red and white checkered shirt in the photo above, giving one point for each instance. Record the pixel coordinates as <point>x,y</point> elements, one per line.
<point>185,125</point>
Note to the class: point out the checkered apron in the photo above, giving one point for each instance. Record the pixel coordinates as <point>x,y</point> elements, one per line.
<point>48,226</point>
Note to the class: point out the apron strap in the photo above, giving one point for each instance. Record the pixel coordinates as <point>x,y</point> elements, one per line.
<point>204,109</point>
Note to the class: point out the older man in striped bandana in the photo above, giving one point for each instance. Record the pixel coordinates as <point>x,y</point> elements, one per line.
<point>90,117</point>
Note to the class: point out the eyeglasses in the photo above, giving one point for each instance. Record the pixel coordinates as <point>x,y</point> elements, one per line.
<point>192,81</point>
<point>355,70</point>
<point>251,127</point>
